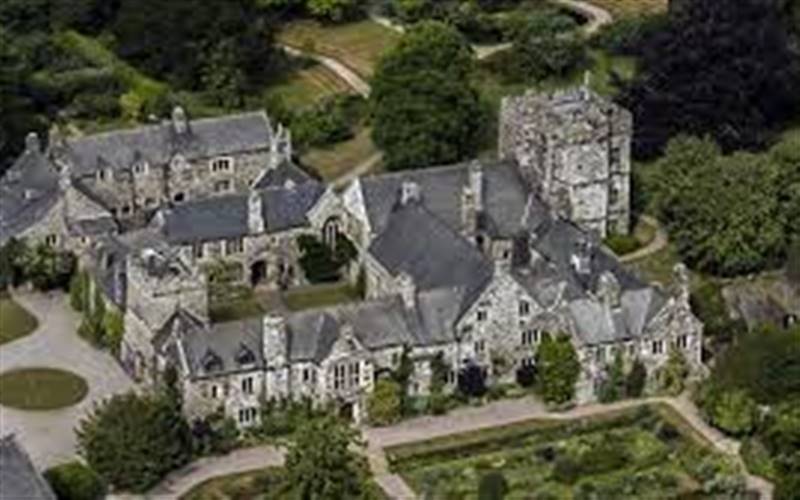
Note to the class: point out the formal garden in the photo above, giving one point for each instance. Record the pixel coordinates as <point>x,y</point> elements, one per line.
<point>40,389</point>
<point>647,452</point>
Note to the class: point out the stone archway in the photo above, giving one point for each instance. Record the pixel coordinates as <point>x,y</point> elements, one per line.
<point>258,272</point>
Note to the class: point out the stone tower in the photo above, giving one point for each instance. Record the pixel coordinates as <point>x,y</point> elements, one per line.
<point>573,149</point>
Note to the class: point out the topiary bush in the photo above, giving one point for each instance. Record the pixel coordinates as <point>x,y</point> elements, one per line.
<point>75,481</point>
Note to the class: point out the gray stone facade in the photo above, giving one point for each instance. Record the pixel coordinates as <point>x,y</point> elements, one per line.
<point>475,262</point>
<point>573,149</point>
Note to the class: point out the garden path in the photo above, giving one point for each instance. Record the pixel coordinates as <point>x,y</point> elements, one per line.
<point>49,436</point>
<point>496,414</point>
<point>659,242</point>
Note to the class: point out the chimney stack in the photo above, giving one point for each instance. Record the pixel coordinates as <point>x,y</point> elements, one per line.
<point>255,213</point>
<point>179,121</point>
<point>582,257</point>
<point>32,143</point>
<point>609,290</point>
<point>407,289</point>
<point>409,193</point>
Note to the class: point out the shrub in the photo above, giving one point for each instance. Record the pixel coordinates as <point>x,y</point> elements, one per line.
<point>493,486</point>
<point>526,375</point>
<point>733,411</point>
<point>793,262</point>
<point>537,58</point>
<point>472,381</point>
<point>75,481</point>
<point>384,405</point>
<point>330,121</point>
<point>637,378</point>
<point>214,435</point>
<point>627,35</point>
<point>672,375</point>
<point>321,264</point>
<point>558,369</point>
<point>622,244</point>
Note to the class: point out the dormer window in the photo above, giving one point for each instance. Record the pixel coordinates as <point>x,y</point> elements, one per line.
<point>245,356</point>
<point>224,186</point>
<point>211,362</point>
<point>222,164</point>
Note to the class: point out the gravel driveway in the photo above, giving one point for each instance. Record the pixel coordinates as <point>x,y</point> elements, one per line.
<point>49,436</point>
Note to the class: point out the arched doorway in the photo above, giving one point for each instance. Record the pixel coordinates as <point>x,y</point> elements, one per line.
<point>258,272</point>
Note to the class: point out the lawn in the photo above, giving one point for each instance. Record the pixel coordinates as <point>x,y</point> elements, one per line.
<point>629,454</point>
<point>244,486</point>
<point>232,303</point>
<point>307,86</point>
<point>41,388</point>
<point>332,162</point>
<point>15,321</point>
<point>319,296</point>
<point>359,45</point>
<point>622,8</point>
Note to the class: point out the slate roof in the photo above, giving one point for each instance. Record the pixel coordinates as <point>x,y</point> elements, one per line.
<point>158,143</point>
<point>376,324</point>
<point>28,191</point>
<point>416,242</point>
<point>280,175</point>
<point>223,217</point>
<point>19,479</point>
<point>220,349</point>
<point>504,196</point>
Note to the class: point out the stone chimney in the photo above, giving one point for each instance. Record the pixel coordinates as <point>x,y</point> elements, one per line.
<point>255,213</point>
<point>409,193</point>
<point>681,281</point>
<point>275,341</point>
<point>32,143</point>
<point>581,257</point>
<point>407,289</point>
<point>502,254</point>
<point>469,213</point>
<point>476,184</point>
<point>280,147</point>
<point>180,124</point>
<point>609,290</point>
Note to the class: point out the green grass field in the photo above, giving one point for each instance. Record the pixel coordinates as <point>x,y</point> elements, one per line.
<point>319,296</point>
<point>359,45</point>
<point>305,87</point>
<point>41,388</point>
<point>643,453</point>
<point>335,161</point>
<point>15,321</point>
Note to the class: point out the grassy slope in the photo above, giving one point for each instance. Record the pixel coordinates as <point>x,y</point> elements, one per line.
<point>15,321</point>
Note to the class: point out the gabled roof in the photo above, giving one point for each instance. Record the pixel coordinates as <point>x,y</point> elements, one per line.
<point>218,349</point>
<point>19,479</point>
<point>285,172</point>
<point>223,217</point>
<point>504,195</point>
<point>158,143</point>
<point>28,191</point>
<point>416,242</point>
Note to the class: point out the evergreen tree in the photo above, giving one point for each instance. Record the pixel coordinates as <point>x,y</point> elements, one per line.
<point>558,369</point>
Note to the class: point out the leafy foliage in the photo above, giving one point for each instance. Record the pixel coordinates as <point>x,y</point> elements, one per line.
<point>133,440</point>
<point>537,56</point>
<point>672,376</point>
<point>425,110</point>
<point>472,381</point>
<point>330,121</point>
<point>636,380</point>
<point>493,486</point>
<point>75,481</point>
<point>742,228</point>
<point>614,387</point>
<point>214,434</point>
<point>558,369</point>
<point>384,405</point>
<point>320,263</point>
<point>733,411</point>
<point>718,67</point>
<point>320,462</point>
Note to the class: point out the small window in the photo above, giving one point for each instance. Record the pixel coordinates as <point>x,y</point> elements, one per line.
<point>224,164</point>
<point>101,175</point>
<point>140,168</point>
<point>223,186</point>
<point>657,347</point>
<point>126,210</point>
<point>615,155</point>
<point>480,347</point>
<point>247,385</point>
<point>234,246</point>
<point>214,392</point>
<point>482,315</point>
<point>179,198</point>
<point>527,362</point>
<point>682,342</point>
<point>613,195</point>
<point>451,377</point>
<point>524,308</point>
<point>306,375</point>
<point>632,349</point>
<point>530,337</point>
<point>51,240</point>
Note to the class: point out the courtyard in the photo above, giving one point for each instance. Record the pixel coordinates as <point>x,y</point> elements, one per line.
<point>49,435</point>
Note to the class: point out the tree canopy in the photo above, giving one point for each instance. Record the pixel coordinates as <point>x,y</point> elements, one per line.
<point>719,67</point>
<point>426,111</point>
<point>558,369</point>
<point>728,215</point>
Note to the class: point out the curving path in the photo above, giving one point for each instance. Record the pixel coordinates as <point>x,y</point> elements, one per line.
<point>419,429</point>
<point>49,436</point>
<point>659,242</point>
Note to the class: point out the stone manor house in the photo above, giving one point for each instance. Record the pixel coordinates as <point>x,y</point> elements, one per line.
<point>473,262</point>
